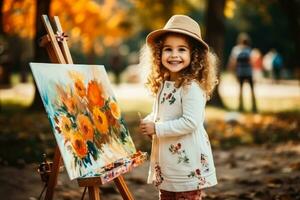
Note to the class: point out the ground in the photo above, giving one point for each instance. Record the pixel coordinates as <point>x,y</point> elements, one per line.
<point>257,156</point>
<point>257,172</point>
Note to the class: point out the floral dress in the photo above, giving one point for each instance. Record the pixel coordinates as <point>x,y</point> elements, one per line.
<point>181,156</point>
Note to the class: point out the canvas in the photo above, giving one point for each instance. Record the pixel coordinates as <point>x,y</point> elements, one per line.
<point>84,115</point>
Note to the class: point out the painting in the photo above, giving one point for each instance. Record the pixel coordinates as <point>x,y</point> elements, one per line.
<point>84,115</point>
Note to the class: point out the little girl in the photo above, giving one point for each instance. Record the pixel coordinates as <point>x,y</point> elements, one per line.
<point>182,78</point>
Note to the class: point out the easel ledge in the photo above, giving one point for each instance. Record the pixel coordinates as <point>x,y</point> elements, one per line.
<point>59,52</point>
<point>122,166</point>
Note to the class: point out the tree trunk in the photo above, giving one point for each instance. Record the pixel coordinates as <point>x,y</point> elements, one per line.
<point>40,54</point>
<point>5,53</point>
<point>291,9</point>
<point>1,18</point>
<point>168,10</point>
<point>214,36</point>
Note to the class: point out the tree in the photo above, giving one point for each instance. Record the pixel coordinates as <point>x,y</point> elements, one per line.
<point>214,36</point>
<point>291,9</point>
<point>1,18</point>
<point>16,31</point>
<point>5,64</point>
<point>153,14</point>
<point>40,55</point>
<point>91,26</point>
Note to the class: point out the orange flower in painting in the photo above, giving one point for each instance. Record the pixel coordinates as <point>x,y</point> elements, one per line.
<point>100,120</point>
<point>115,109</point>
<point>95,94</point>
<point>63,94</point>
<point>79,145</point>
<point>70,104</point>
<point>79,87</point>
<point>78,78</point>
<point>85,126</point>
<point>110,118</point>
<point>66,127</point>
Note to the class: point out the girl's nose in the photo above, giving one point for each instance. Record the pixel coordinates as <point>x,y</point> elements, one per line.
<point>174,54</point>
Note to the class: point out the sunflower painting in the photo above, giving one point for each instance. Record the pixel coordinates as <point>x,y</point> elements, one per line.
<point>84,115</point>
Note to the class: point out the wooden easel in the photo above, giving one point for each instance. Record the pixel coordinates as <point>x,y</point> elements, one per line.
<point>60,53</point>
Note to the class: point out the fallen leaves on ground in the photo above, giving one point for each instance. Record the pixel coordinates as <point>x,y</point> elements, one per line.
<point>257,156</point>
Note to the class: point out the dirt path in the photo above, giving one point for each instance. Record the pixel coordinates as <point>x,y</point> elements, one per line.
<point>250,172</point>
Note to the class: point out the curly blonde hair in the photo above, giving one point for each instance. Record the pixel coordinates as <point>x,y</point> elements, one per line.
<point>202,68</point>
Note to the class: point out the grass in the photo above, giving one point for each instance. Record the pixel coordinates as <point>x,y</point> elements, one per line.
<point>266,105</point>
<point>270,97</point>
<point>21,95</point>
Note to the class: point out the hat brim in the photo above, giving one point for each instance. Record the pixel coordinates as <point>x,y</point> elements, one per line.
<point>154,35</point>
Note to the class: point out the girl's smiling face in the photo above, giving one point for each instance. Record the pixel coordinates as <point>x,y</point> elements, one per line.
<point>176,54</point>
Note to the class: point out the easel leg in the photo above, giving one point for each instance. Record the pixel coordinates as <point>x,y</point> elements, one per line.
<point>94,193</point>
<point>123,189</point>
<point>53,176</point>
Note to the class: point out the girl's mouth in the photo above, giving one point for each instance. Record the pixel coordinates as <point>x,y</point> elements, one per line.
<point>174,62</point>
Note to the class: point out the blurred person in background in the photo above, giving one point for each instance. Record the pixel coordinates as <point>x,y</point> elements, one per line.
<point>256,61</point>
<point>268,63</point>
<point>240,63</point>
<point>277,66</point>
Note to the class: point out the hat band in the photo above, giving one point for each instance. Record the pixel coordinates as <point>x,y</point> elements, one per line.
<point>195,34</point>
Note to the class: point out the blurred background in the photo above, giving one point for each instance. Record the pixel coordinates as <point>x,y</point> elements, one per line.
<point>257,154</point>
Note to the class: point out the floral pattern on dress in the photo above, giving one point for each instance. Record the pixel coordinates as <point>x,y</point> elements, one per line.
<point>204,162</point>
<point>169,97</point>
<point>158,177</point>
<point>197,174</point>
<point>182,157</point>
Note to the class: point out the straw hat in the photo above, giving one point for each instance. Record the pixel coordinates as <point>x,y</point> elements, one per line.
<point>178,24</point>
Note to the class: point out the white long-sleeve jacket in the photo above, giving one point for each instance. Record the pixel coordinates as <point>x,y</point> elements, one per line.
<point>181,156</point>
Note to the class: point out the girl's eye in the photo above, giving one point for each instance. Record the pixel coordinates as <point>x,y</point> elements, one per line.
<point>167,49</point>
<point>182,49</point>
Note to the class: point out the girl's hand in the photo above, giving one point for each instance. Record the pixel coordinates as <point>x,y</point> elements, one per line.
<point>147,128</point>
